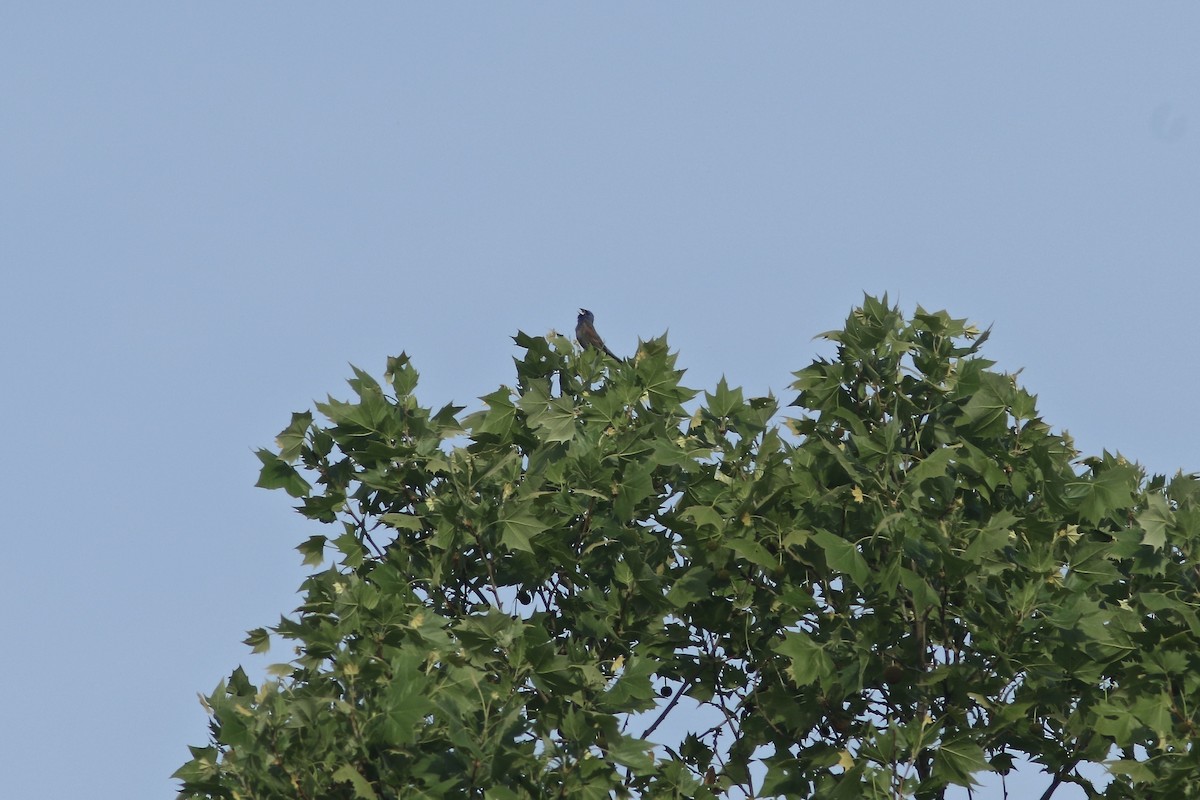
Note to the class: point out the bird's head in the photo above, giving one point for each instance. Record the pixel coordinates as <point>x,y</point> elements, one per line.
<point>585,315</point>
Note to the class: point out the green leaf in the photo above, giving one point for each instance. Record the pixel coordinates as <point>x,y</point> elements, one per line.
<point>351,547</point>
<point>364,384</point>
<point>752,551</point>
<point>291,439</point>
<point>691,586</point>
<point>552,419</point>
<point>1111,719</point>
<point>633,753</point>
<point>842,556</point>
<point>725,401</point>
<point>636,485</point>
<point>809,664</point>
<point>400,374</point>
<point>958,761</point>
<point>622,574</point>
<point>923,596</point>
<point>1106,493</point>
<point>278,474</point>
<point>313,550</point>
<point>362,787</point>
<point>994,536</point>
<point>986,410</point>
<point>1155,713</point>
<point>406,701</point>
<point>934,465</point>
<point>1139,771</point>
<point>259,640</point>
<point>500,416</point>
<point>518,528</point>
<point>632,691</point>
<point>402,522</point>
<point>703,516</point>
<point>1155,520</point>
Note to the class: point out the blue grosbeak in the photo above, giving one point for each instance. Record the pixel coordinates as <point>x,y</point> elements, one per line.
<point>585,332</point>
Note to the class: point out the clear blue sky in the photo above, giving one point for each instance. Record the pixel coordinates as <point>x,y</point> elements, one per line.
<point>209,209</point>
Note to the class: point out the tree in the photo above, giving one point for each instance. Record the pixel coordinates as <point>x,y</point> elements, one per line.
<point>587,590</point>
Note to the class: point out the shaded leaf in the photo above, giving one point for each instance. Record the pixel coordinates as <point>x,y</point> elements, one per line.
<point>362,787</point>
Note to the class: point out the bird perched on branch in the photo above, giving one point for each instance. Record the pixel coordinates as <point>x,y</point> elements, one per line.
<point>585,332</point>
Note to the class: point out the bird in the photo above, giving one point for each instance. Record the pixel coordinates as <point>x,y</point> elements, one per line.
<point>585,332</point>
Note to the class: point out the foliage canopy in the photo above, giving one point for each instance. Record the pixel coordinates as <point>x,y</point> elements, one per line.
<point>588,590</point>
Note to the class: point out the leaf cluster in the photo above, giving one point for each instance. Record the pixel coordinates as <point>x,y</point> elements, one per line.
<point>605,585</point>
